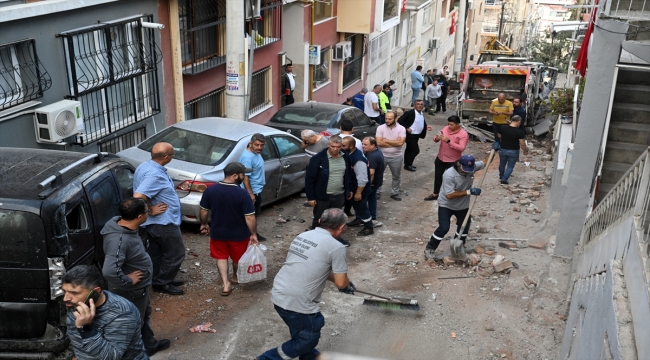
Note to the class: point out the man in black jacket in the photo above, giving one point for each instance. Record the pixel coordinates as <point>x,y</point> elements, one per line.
<point>127,266</point>
<point>288,84</point>
<point>327,182</point>
<point>416,129</point>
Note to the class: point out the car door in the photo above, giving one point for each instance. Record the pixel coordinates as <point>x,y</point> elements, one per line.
<point>81,238</point>
<point>104,198</point>
<point>294,164</point>
<point>272,172</point>
<point>363,126</point>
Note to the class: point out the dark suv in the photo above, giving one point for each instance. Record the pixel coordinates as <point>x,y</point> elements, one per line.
<point>53,204</point>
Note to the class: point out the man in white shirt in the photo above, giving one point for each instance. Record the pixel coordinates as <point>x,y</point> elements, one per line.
<point>371,104</point>
<point>416,129</point>
<point>288,85</point>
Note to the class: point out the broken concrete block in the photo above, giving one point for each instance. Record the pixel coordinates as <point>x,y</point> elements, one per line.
<point>473,259</point>
<point>524,201</point>
<point>516,209</point>
<point>503,266</point>
<point>530,210</point>
<point>497,260</point>
<point>529,282</point>
<point>447,260</point>
<point>482,230</point>
<point>507,245</point>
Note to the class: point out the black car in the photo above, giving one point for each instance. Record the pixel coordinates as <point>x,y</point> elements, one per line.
<point>321,117</point>
<point>53,204</point>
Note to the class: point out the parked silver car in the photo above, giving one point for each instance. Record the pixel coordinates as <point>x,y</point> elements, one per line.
<point>203,147</point>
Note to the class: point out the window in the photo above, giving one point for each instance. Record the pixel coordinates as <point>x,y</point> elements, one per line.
<point>322,10</point>
<point>26,233</point>
<point>378,47</point>
<point>411,30</point>
<point>124,141</point>
<point>105,203</point>
<point>203,34</point>
<point>353,65</point>
<point>395,37</point>
<point>426,16</point>
<point>360,119</point>
<point>112,70</point>
<point>192,146</point>
<point>305,116</point>
<point>288,146</point>
<point>22,76</point>
<point>476,39</point>
<point>124,177</point>
<point>322,71</point>
<point>444,8</point>
<point>260,91</point>
<point>391,9</point>
<point>268,151</point>
<point>76,219</point>
<point>269,25</point>
<point>212,104</point>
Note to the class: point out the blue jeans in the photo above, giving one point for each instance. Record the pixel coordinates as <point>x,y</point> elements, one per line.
<point>372,203</point>
<point>305,333</point>
<point>416,93</point>
<point>444,223</point>
<point>508,159</point>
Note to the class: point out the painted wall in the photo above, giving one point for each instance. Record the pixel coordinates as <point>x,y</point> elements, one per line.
<point>19,131</point>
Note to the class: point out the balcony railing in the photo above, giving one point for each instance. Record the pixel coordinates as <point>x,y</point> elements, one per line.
<point>269,25</point>
<point>490,28</point>
<point>124,141</point>
<point>493,2</point>
<point>212,104</point>
<point>203,34</point>
<point>260,91</point>
<point>627,9</point>
<point>353,67</point>
<point>629,197</point>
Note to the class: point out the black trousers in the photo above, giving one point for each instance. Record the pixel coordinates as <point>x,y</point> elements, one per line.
<point>412,149</point>
<point>441,103</point>
<point>288,99</point>
<point>258,204</point>
<point>140,298</point>
<point>444,223</point>
<point>167,252</point>
<point>439,167</point>
<point>333,201</point>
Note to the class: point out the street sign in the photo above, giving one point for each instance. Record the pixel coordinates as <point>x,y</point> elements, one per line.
<point>314,54</point>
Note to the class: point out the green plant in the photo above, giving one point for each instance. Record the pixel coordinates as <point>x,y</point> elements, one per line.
<point>551,49</point>
<point>561,102</point>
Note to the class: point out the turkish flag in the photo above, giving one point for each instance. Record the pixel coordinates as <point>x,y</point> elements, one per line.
<point>581,61</point>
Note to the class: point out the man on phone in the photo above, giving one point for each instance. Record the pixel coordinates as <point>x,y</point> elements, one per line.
<point>101,325</point>
<point>127,266</point>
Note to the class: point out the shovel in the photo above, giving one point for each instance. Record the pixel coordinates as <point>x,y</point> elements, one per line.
<point>456,244</point>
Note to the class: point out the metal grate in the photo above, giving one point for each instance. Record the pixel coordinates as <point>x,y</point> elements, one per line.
<point>22,76</point>
<point>112,71</point>
<point>260,90</point>
<point>353,66</point>
<point>322,71</point>
<point>212,104</point>
<point>203,34</point>
<point>269,24</point>
<point>124,141</point>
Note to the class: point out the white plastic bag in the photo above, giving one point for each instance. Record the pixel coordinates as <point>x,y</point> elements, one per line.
<point>252,265</point>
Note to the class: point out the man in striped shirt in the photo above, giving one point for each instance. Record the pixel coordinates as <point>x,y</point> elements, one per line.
<point>105,328</point>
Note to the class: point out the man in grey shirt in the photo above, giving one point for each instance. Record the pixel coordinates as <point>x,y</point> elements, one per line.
<point>313,143</point>
<point>314,257</point>
<point>453,200</point>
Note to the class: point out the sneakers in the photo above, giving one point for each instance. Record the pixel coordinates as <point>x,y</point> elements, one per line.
<point>168,289</point>
<point>355,222</point>
<point>365,232</point>
<point>429,254</point>
<point>345,243</point>
<point>396,197</point>
<point>431,197</point>
<point>377,224</point>
<point>503,182</point>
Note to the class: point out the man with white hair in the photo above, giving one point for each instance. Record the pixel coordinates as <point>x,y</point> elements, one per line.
<point>312,142</point>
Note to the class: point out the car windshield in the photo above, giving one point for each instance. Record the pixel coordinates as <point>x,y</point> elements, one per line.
<point>305,116</point>
<point>192,147</point>
<point>21,233</point>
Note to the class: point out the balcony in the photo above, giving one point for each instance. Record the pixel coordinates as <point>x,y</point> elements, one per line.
<point>203,34</point>
<point>269,24</point>
<point>495,3</point>
<point>491,29</point>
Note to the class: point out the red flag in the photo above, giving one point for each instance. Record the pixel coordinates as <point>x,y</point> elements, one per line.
<point>581,61</point>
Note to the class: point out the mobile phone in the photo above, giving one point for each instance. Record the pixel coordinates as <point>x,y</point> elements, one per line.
<point>92,295</point>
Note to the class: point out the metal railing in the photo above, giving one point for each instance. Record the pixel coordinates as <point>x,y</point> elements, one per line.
<point>22,76</point>
<point>260,90</point>
<point>493,2</point>
<point>203,34</point>
<point>490,28</point>
<point>123,141</point>
<point>629,197</point>
<point>269,25</point>
<point>627,9</point>
<point>212,104</point>
<point>353,66</point>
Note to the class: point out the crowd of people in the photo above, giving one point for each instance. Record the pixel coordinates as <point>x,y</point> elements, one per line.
<point>111,310</point>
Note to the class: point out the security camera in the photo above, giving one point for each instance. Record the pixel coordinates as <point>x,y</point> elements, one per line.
<point>153,25</point>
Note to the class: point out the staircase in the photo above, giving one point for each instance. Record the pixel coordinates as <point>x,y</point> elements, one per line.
<point>629,127</point>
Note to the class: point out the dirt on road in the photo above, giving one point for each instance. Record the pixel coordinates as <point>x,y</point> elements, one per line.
<point>515,315</point>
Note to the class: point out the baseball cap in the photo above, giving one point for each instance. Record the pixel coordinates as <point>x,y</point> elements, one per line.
<point>236,168</point>
<point>467,163</point>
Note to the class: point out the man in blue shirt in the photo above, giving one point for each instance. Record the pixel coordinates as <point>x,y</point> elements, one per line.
<point>357,100</point>
<point>255,180</point>
<point>416,83</point>
<point>166,248</point>
<point>232,221</point>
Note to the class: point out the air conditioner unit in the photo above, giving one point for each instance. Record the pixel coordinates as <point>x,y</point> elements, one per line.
<point>55,122</point>
<point>342,51</point>
<point>252,13</point>
<point>434,43</point>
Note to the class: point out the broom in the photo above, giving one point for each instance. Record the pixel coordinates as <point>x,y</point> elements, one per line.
<point>456,244</point>
<point>394,303</point>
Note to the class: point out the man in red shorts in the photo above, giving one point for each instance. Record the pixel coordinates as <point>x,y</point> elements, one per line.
<point>232,221</point>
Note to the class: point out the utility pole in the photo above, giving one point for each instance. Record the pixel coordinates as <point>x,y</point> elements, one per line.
<point>503,7</point>
<point>460,36</point>
<point>235,60</point>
